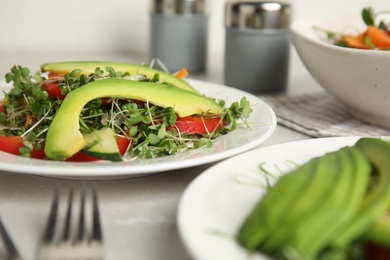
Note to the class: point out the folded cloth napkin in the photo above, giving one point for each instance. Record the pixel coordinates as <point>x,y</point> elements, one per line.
<point>319,115</point>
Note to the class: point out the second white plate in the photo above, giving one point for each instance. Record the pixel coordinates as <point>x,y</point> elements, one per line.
<point>215,204</point>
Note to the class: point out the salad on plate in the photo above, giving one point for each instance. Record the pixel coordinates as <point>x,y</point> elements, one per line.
<point>96,110</point>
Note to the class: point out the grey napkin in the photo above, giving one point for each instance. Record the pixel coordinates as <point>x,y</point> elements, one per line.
<point>319,115</point>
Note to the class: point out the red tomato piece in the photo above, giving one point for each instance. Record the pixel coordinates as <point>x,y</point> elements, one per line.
<point>139,103</point>
<point>81,157</point>
<point>104,101</point>
<point>53,90</point>
<point>11,144</point>
<point>2,106</point>
<point>377,252</point>
<point>192,124</point>
<point>123,143</point>
<point>38,154</point>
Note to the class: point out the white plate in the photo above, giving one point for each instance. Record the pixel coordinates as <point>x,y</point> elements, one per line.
<point>262,123</point>
<point>215,204</point>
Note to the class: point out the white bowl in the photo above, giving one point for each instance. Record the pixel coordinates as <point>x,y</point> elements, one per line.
<point>360,79</point>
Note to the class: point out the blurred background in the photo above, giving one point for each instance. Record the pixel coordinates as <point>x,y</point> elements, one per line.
<point>39,31</point>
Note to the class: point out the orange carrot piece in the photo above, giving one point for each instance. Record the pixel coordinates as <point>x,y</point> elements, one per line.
<point>378,37</point>
<point>356,41</point>
<point>29,121</point>
<point>182,73</point>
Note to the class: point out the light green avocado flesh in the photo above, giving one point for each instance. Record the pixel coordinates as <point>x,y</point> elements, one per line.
<point>64,138</point>
<point>89,67</point>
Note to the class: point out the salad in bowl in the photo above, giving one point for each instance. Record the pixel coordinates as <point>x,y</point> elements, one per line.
<point>357,77</point>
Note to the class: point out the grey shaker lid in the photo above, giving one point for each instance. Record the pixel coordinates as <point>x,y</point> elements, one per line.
<point>256,14</point>
<point>172,7</point>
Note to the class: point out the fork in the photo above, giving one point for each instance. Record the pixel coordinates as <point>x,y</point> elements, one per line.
<point>70,235</point>
<point>8,250</point>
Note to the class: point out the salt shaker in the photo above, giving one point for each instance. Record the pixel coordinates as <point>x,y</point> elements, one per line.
<point>257,45</point>
<point>179,34</point>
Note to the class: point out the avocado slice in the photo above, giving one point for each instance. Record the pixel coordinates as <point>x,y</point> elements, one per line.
<point>89,67</point>
<point>64,137</point>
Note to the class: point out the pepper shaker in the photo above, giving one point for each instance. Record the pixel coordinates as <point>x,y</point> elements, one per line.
<point>257,45</point>
<point>179,34</point>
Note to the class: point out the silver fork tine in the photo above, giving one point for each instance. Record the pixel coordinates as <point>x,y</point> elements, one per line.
<point>81,220</point>
<point>66,231</point>
<point>97,232</point>
<point>51,223</point>
<point>12,253</point>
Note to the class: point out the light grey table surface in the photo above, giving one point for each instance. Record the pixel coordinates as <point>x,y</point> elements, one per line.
<point>138,215</point>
